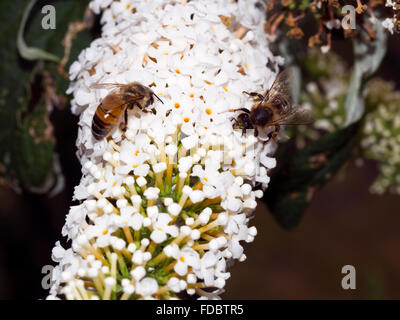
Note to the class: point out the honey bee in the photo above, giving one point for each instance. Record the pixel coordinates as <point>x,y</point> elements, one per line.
<point>274,108</point>
<point>122,98</point>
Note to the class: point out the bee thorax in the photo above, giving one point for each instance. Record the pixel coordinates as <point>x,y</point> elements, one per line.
<point>261,116</point>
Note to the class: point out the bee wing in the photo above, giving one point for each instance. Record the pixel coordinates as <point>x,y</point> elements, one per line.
<point>115,94</point>
<point>280,86</point>
<point>110,110</point>
<point>296,117</point>
<point>107,86</point>
<point>280,92</point>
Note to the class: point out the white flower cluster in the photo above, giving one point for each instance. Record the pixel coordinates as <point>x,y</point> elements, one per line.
<point>166,202</point>
<point>324,95</point>
<point>392,4</point>
<point>381,135</point>
<point>390,23</point>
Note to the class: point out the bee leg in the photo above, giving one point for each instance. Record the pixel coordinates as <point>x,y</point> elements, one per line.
<point>124,123</point>
<point>277,130</point>
<point>274,133</point>
<point>256,95</point>
<point>237,124</point>
<point>241,109</point>
<point>144,109</point>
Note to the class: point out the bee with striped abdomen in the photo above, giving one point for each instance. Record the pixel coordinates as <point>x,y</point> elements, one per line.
<point>273,108</point>
<point>122,98</point>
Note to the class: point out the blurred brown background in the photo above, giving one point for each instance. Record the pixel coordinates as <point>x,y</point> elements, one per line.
<point>345,224</point>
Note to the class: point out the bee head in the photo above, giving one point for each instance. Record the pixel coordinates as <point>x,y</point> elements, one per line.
<point>244,120</point>
<point>151,98</point>
<point>260,116</point>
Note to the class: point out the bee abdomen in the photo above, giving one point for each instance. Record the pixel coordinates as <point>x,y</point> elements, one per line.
<point>102,123</point>
<point>99,128</point>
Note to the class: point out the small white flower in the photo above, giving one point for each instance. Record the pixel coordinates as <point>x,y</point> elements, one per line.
<point>102,230</point>
<point>388,24</point>
<point>161,228</point>
<point>186,257</point>
<point>173,284</point>
<point>147,287</point>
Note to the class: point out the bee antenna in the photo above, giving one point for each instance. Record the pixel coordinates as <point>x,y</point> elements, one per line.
<point>158,98</point>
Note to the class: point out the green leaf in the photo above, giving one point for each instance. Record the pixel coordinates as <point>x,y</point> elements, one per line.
<point>14,75</point>
<point>33,148</point>
<point>368,57</point>
<point>291,50</point>
<point>295,180</point>
<point>26,149</point>
<point>31,53</point>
